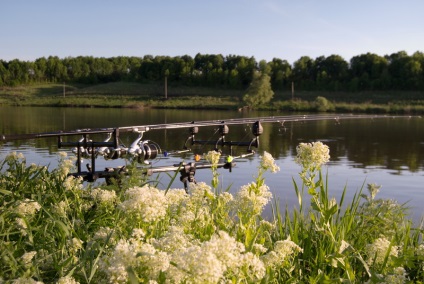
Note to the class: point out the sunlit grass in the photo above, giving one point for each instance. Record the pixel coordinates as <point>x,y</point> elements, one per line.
<point>53,230</point>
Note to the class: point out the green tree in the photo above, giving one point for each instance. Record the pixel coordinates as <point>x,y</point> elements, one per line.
<point>259,92</point>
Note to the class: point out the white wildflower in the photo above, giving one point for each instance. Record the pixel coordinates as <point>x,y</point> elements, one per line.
<point>67,280</point>
<point>153,261</point>
<point>105,234</point>
<point>104,197</point>
<point>268,163</point>
<point>377,251</point>
<point>398,277</point>
<point>311,156</point>
<point>62,154</point>
<point>251,199</point>
<point>115,265</point>
<point>266,226</point>
<point>283,251</point>
<point>14,156</point>
<point>24,280</point>
<point>27,207</point>
<point>22,225</point>
<point>373,189</point>
<point>213,157</point>
<point>259,249</point>
<point>60,208</point>
<point>174,239</point>
<point>138,234</point>
<point>27,257</point>
<point>420,250</point>
<point>175,199</point>
<point>196,264</point>
<point>73,183</point>
<point>227,250</point>
<point>145,203</point>
<point>66,165</point>
<point>253,267</point>
<point>225,198</point>
<point>74,244</point>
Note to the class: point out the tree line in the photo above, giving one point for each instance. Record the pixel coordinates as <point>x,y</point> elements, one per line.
<point>365,72</point>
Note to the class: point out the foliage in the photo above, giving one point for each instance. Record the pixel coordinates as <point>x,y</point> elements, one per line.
<point>364,72</point>
<point>323,105</point>
<point>53,230</point>
<point>259,92</point>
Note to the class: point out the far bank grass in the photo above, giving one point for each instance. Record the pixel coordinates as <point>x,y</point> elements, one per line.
<point>145,95</point>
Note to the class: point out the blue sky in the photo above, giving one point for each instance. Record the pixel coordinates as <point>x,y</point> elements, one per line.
<point>265,29</point>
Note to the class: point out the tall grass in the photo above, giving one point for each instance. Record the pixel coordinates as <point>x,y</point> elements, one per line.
<point>53,230</point>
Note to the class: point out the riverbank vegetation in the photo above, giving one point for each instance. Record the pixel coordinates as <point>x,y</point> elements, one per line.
<point>144,95</point>
<point>367,83</point>
<point>52,230</point>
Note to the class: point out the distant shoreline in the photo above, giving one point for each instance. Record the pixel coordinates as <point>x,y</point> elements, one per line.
<point>137,95</point>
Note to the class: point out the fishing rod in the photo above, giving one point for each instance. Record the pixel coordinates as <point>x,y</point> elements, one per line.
<point>177,125</point>
<point>143,151</point>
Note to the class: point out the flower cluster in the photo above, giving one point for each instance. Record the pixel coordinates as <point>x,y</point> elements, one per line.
<point>251,199</point>
<point>311,156</point>
<point>213,157</point>
<point>378,249</point>
<point>268,163</point>
<point>146,203</point>
<point>283,251</point>
<point>102,197</point>
<point>27,207</point>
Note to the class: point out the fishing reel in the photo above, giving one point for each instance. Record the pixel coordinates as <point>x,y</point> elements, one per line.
<point>141,150</point>
<point>223,130</point>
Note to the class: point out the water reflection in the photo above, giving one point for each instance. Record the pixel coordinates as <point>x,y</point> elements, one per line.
<point>386,151</point>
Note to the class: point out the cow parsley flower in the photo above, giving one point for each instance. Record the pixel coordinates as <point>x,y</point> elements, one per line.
<point>146,203</point>
<point>398,276</point>
<point>67,280</point>
<point>60,208</point>
<point>420,250</point>
<point>24,280</point>
<point>174,239</point>
<point>283,252</point>
<point>213,157</point>
<point>253,269</point>
<point>105,198</point>
<point>115,265</point>
<point>227,249</point>
<point>312,155</point>
<point>268,163</point>
<point>196,264</point>
<point>377,251</point>
<point>27,207</point>
<point>251,199</point>
<point>27,257</point>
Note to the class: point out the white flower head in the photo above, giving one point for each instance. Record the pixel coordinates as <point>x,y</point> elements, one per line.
<point>312,156</point>
<point>377,251</point>
<point>146,203</point>
<point>27,207</point>
<point>268,163</point>
<point>213,157</point>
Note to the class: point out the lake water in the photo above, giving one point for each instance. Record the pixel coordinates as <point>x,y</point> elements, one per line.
<point>385,151</point>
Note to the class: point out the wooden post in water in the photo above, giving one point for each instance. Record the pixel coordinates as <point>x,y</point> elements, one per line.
<point>166,83</point>
<point>292,85</point>
<point>166,87</point>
